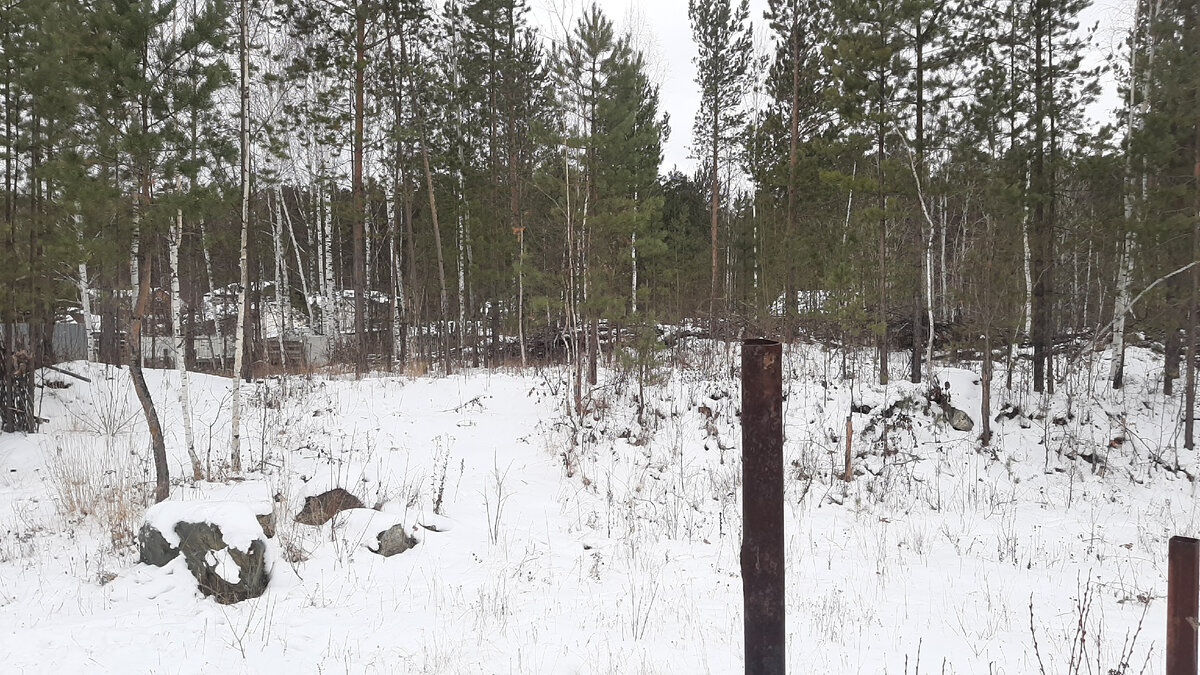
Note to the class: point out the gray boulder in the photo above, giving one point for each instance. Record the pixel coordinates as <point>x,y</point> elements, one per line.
<point>153,548</point>
<point>226,573</point>
<point>319,509</point>
<point>394,540</point>
<point>267,522</point>
<point>959,420</point>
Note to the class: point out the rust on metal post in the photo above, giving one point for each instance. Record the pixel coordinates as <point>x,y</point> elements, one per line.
<point>762,506</point>
<point>1183,603</point>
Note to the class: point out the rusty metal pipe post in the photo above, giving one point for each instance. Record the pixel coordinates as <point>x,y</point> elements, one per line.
<point>1183,603</point>
<point>762,506</point>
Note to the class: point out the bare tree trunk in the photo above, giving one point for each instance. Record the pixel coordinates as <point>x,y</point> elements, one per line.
<point>791,301</point>
<point>177,338</point>
<point>443,297</point>
<point>287,223</point>
<point>1028,265</point>
<point>594,353</point>
<point>461,253</point>
<point>633,307</point>
<point>1189,415</point>
<point>943,272</point>
<point>1116,372</point>
<point>1040,228</point>
<point>235,456</point>
<point>329,315</point>
<point>881,307</point>
<point>85,303</point>
<point>162,481</point>
<point>282,290</point>
<point>220,354</point>
<point>134,258</point>
<point>919,170</point>
<point>929,303</point>
<point>985,405</point>
<point>521,294</point>
<point>462,220</point>
<point>360,282</point>
<point>716,203</point>
<point>395,285</point>
<point>85,297</point>
<point>571,298</point>
<point>411,259</point>
<point>1171,358</point>
<point>916,352</point>
<point>848,470</point>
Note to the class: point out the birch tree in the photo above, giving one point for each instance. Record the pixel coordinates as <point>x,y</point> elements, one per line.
<point>239,347</point>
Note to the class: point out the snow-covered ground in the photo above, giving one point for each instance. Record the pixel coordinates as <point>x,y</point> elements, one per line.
<point>620,556</point>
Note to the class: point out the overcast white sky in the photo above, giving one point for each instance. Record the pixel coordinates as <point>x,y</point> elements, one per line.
<point>664,34</point>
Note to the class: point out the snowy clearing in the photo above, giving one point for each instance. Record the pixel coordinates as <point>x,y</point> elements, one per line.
<point>937,558</point>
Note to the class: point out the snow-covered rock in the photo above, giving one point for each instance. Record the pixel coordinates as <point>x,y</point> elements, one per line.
<point>319,509</point>
<point>222,543</point>
<point>959,420</point>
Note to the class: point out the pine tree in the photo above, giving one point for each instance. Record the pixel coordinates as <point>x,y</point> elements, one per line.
<point>612,112</point>
<point>787,137</point>
<point>868,63</point>
<point>926,34</point>
<point>723,40</point>
<point>1165,147</point>
<point>41,107</point>
<point>504,99</point>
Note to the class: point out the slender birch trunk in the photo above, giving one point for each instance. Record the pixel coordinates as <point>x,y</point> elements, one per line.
<point>287,223</point>
<point>213,292</point>
<point>846,226</point>
<point>461,254</point>
<point>1028,261</point>
<point>1125,264</point>
<point>282,290</point>
<point>329,318</point>
<point>177,338</point>
<point>462,228</point>
<point>443,293</point>
<point>396,285</point>
<point>410,260</point>
<point>244,280</point>
<point>135,265</point>
<point>85,297</point>
<point>134,255</point>
<point>929,304</point>
<point>572,299</point>
<point>85,302</point>
<point>944,273</point>
<point>928,279</point>
<point>357,159</point>
<point>633,277</point>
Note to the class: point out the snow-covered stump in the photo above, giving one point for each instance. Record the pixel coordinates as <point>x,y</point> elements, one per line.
<point>223,544</point>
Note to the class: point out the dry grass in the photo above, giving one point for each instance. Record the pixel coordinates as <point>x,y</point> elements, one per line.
<point>101,480</point>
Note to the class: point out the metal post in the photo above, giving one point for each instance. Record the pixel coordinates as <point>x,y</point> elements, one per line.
<point>762,506</point>
<point>1183,596</point>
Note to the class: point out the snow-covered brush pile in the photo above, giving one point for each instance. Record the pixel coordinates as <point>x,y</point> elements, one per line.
<point>605,538</point>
